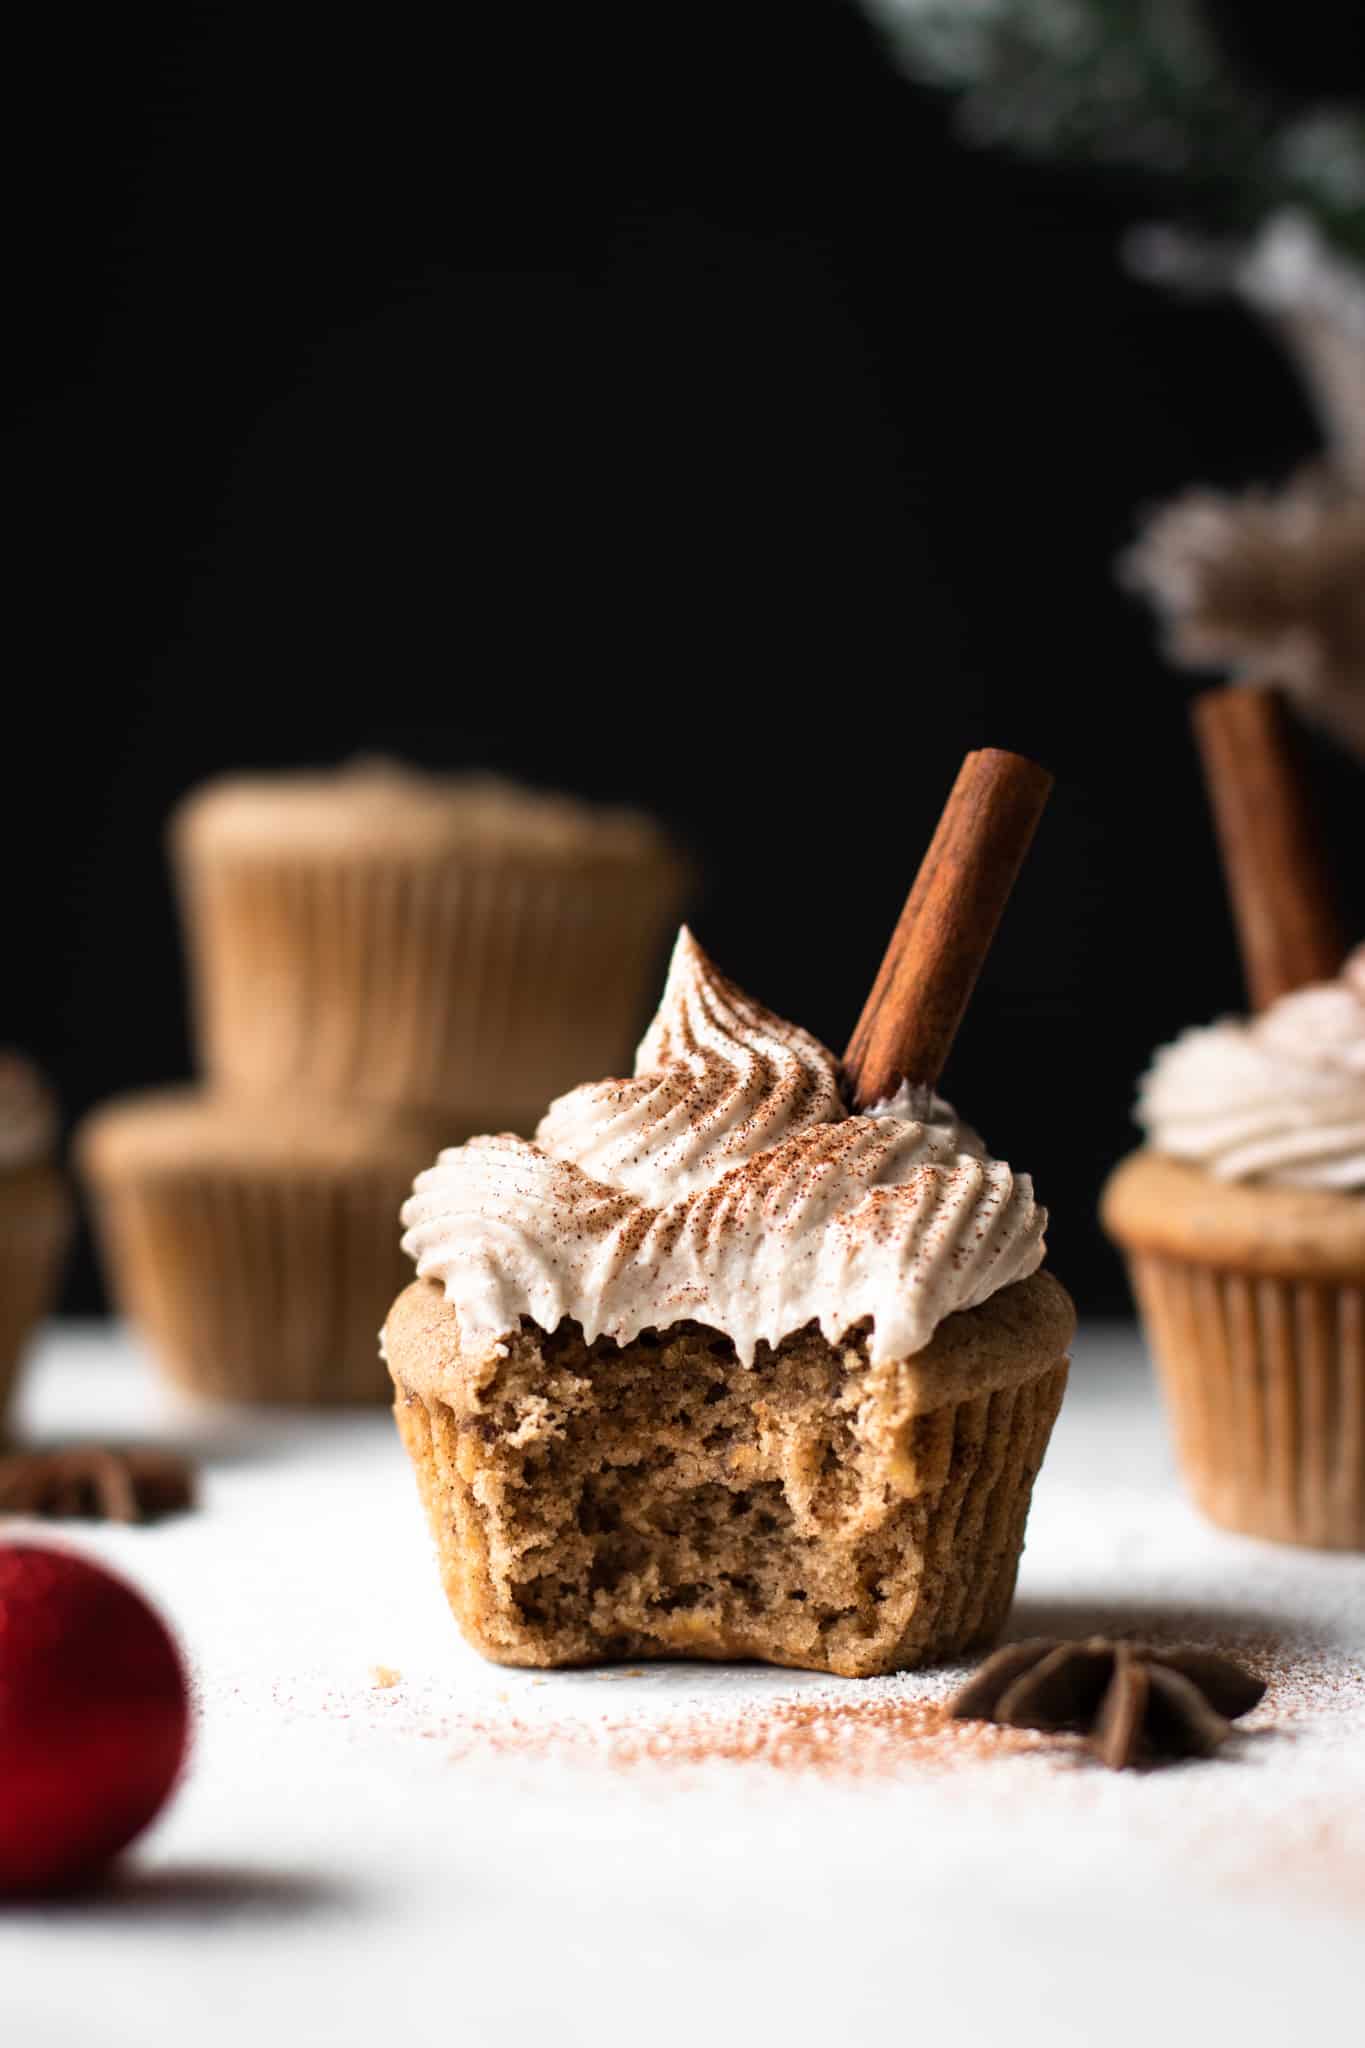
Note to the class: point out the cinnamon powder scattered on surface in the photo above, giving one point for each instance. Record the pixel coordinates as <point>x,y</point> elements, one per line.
<point>836,1739</point>
<point>879,1732</point>
<point>882,1729</point>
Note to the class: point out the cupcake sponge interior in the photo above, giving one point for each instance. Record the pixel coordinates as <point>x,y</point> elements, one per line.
<point>594,1501</point>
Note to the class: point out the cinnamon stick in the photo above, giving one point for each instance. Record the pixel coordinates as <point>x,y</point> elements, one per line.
<point>1276,873</point>
<point>945,931</point>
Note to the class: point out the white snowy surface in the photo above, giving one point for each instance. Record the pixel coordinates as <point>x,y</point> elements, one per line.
<point>356,1863</point>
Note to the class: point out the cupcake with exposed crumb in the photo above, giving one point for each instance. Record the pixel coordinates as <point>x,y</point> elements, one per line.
<point>749,1355</point>
<point>35,1212</point>
<point>417,942</point>
<point>716,1368</point>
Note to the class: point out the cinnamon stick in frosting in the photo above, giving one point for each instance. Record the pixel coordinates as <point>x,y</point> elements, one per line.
<point>945,931</point>
<point>1273,863</point>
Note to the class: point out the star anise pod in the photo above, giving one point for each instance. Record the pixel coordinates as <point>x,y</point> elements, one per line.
<point>94,1482</point>
<point>1134,1703</point>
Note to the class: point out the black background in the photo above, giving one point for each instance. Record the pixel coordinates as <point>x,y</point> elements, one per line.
<point>658,403</point>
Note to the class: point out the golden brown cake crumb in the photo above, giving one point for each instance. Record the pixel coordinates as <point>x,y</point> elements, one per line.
<point>658,1499</point>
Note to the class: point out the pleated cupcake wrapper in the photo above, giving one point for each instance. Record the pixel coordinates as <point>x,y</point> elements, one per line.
<point>1265,1382</point>
<point>975,1466</point>
<point>257,1286</point>
<point>33,1239</point>
<point>991,1449</point>
<point>417,986</point>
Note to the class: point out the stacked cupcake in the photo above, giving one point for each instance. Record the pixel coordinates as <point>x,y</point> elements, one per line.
<point>382,961</point>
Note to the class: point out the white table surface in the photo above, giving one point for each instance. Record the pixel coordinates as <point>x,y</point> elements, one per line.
<point>355,1863</point>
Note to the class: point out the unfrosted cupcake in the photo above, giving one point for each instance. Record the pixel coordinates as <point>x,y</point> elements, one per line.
<point>417,942</point>
<point>35,1212</point>
<point>715,1369</point>
<point>253,1247</point>
<point>1243,1222</point>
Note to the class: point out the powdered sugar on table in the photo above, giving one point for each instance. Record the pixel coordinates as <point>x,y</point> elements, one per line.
<point>383,1837</point>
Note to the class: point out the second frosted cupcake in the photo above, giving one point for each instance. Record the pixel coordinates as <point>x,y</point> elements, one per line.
<point>1244,1226</point>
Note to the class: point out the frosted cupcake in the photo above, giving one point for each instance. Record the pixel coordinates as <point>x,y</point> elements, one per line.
<point>417,942</point>
<point>714,1368</point>
<point>35,1212</point>
<point>253,1246</point>
<point>1244,1226</point>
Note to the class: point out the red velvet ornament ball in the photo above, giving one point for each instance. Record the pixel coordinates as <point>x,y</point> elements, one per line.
<point>94,1717</point>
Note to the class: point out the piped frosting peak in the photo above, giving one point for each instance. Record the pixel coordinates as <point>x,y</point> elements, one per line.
<point>718,1080</point>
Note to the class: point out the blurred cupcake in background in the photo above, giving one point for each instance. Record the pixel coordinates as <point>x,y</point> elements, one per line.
<point>382,962</point>
<point>418,942</point>
<point>1243,1222</point>
<point>254,1244</point>
<point>35,1212</point>
<point>1243,1216</point>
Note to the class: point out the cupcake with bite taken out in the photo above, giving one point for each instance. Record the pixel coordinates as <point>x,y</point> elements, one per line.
<point>719,1365</point>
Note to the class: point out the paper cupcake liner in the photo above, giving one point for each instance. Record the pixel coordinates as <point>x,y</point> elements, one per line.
<point>35,1229</point>
<point>1264,1378</point>
<point>258,1285</point>
<point>420,986</point>
<point>974,1528</point>
<point>977,1463</point>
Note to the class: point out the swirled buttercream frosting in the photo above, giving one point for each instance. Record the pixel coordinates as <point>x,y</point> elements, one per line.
<point>724,1183</point>
<point>28,1115</point>
<point>1279,1097</point>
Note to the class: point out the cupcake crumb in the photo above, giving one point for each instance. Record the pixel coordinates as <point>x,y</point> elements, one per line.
<point>384,1676</point>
